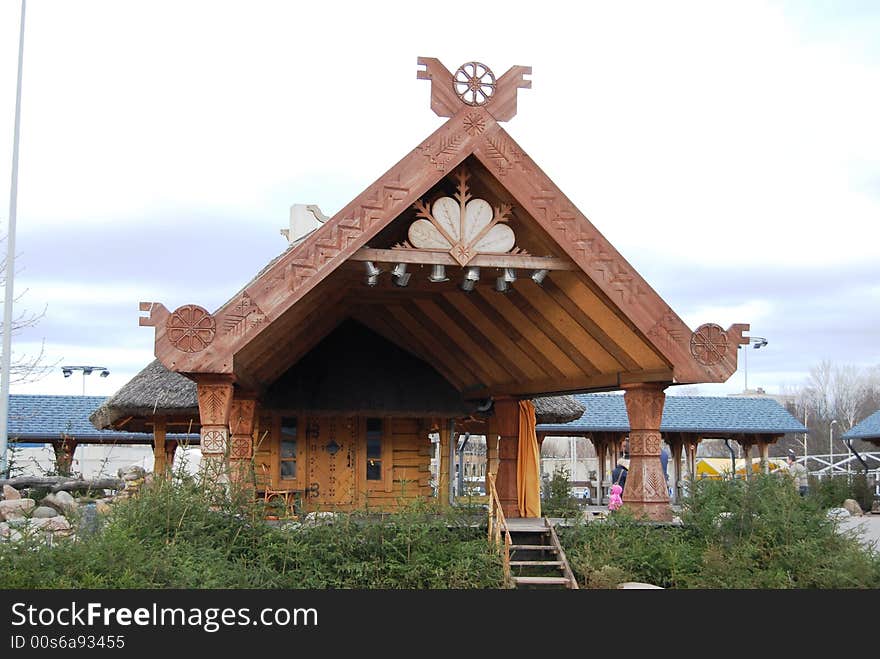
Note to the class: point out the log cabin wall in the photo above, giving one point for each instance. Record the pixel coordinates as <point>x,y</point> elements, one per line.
<point>344,462</point>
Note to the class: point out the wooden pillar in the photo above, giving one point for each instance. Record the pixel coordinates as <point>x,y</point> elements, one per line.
<point>645,492</point>
<point>676,445</point>
<point>747,454</point>
<point>491,450</point>
<point>215,405</point>
<point>507,418</point>
<point>765,455</point>
<point>444,466</point>
<point>64,450</point>
<point>170,451</point>
<point>601,450</point>
<point>242,419</point>
<point>160,466</point>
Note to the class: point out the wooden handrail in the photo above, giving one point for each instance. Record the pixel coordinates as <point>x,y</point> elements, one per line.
<point>497,524</point>
<point>560,552</point>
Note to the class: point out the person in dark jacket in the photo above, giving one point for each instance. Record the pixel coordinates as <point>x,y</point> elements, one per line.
<point>618,474</point>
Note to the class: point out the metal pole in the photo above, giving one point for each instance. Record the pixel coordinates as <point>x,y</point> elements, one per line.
<point>831,447</point>
<point>6,365</point>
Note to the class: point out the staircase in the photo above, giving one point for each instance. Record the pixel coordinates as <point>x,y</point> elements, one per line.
<point>537,560</point>
<point>533,556</point>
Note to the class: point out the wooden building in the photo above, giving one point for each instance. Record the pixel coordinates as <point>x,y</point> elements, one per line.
<point>458,286</point>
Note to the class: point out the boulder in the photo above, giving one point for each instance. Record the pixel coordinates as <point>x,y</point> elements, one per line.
<point>637,585</point>
<point>15,508</point>
<point>58,524</point>
<point>852,506</point>
<point>134,473</point>
<point>837,513</point>
<point>10,493</point>
<point>44,512</point>
<point>102,507</point>
<point>62,501</point>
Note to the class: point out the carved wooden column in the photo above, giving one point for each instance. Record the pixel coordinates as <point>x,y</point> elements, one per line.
<point>443,469</point>
<point>242,418</point>
<point>645,493</point>
<point>170,451</point>
<point>676,443</point>
<point>747,454</point>
<point>601,450</point>
<point>215,404</point>
<point>507,418</point>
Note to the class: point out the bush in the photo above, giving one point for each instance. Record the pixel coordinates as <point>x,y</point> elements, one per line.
<point>756,533</point>
<point>558,500</point>
<point>833,491</point>
<point>180,536</point>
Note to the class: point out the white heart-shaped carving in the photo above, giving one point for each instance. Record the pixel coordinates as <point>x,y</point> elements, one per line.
<point>477,216</point>
<point>447,213</point>
<point>498,240</point>
<point>424,235</point>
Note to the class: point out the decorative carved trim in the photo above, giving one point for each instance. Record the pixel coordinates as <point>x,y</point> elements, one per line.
<point>215,401</point>
<point>242,416</point>
<point>213,439</point>
<point>241,447</point>
<point>709,344</point>
<point>439,154</point>
<point>475,122</point>
<point>666,332</point>
<point>333,237</point>
<point>190,328</point>
<point>504,153</point>
<point>644,407</point>
<point>474,83</point>
<point>245,315</point>
<point>463,226</point>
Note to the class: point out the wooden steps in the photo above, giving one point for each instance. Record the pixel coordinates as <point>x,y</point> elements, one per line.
<point>541,581</point>
<point>537,558</point>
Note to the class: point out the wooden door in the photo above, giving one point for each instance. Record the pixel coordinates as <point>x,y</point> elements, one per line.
<point>332,460</point>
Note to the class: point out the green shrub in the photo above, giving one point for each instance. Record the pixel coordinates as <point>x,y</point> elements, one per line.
<point>181,536</point>
<point>831,492</point>
<point>558,500</point>
<point>758,533</point>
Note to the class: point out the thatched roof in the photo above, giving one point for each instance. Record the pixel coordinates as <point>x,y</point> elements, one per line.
<point>352,370</point>
<point>153,391</point>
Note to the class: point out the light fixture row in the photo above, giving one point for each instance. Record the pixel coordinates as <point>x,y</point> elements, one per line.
<point>438,274</point>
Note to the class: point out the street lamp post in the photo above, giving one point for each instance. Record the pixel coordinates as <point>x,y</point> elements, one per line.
<point>86,370</point>
<point>831,448</point>
<point>756,342</point>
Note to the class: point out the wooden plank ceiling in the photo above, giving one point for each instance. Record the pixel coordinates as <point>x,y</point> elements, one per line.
<point>563,335</point>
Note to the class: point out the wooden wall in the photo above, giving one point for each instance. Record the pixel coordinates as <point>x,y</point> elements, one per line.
<point>406,460</point>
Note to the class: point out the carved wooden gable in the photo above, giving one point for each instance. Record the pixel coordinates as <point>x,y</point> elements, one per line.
<point>460,229</point>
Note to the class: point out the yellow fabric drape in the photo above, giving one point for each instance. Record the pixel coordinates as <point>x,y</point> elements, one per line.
<point>528,463</point>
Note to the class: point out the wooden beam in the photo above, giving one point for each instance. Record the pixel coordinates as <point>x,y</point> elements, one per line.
<point>427,257</point>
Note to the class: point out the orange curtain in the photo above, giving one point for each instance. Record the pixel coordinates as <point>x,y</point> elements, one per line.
<point>528,463</point>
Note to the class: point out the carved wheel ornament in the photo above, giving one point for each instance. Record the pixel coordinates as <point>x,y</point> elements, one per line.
<point>474,83</point>
<point>709,344</point>
<point>190,328</point>
<point>463,226</point>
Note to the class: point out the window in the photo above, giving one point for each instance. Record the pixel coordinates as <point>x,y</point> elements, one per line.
<point>288,448</point>
<point>374,449</point>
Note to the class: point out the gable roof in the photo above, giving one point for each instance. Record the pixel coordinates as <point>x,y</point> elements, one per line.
<point>868,429</point>
<point>627,333</point>
<point>690,414</point>
<point>43,418</point>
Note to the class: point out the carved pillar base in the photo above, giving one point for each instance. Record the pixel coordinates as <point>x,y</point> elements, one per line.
<point>215,404</point>
<point>645,493</point>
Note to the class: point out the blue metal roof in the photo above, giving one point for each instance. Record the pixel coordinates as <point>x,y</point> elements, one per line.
<point>41,417</point>
<point>866,429</point>
<point>702,414</point>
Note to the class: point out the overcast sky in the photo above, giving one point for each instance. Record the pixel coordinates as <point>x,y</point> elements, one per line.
<point>730,152</point>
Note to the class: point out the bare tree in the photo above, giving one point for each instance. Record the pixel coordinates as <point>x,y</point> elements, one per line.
<point>24,368</point>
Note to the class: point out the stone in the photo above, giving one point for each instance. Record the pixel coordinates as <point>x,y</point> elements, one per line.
<point>4,530</point>
<point>16,507</point>
<point>57,524</point>
<point>44,512</point>
<point>837,513</point>
<point>62,501</point>
<point>10,493</point>
<point>875,507</point>
<point>853,507</point>
<point>88,522</point>
<point>134,473</point>
<point>637,585</point>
